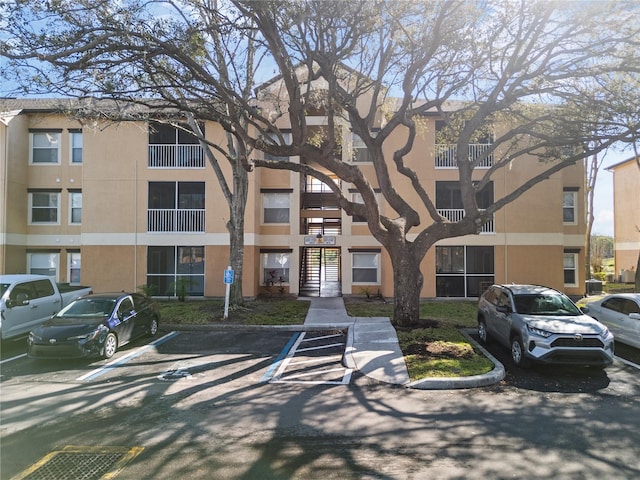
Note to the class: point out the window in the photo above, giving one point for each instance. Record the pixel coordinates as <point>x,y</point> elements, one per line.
<point>43,264</point>
<point>175,270</point>
<point>360,152</point>
<point>275,267</point>
<point>276,207</point>
<point>172,147</point>
<point>43,207</point>
<point>356,197</point>
<point>287,141</point>
<point>570,269</point>
<point>365,267</point>
<point>463,271</point>
<point>569,203</point>
<point>75,207</point>
<point>449,202</point>
<point>31,290</point>
<point>73,267</point>
<point>75,137</point>
<point>448,195</point>
<point>45,147</point>
<point>176,207</point>
<point>125,308</point>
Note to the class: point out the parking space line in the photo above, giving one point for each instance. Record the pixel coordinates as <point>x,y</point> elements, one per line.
<point>283,353</point>
<point>317,360</point>
<point>321,347</point>
<point>289,360</point>
<point>11,359</point>
<point>122,360</point>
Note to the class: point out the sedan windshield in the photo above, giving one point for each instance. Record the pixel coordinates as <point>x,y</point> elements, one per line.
<point>545,305</point>
<point>88,307</point>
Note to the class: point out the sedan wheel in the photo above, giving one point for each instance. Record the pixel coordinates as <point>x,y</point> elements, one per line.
<point>517,353</point>
<point>153,327</point>
<point>110,345</point>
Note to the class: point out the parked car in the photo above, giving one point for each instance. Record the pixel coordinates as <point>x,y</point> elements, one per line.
<point>543,325</point>
<point>28,300</point>
<point>96,325</point>
<point>621,313</point>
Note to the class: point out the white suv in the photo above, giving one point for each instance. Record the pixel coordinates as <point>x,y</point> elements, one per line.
<point>543,325</point>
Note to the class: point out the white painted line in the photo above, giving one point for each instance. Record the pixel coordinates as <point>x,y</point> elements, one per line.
<point>321,347</point>
<point>317,360</point>
<point>11,359</point>
<point>627,362</point>
<point>119,361</point>
<point>310,339</point>
<point>314,373</point>
<point>287,359</point>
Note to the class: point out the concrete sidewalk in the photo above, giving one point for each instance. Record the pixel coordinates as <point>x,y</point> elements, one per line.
<point>373,349</point>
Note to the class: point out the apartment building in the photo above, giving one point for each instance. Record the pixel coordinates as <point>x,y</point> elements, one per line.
<point>626,218</point>
<point>119,205</point>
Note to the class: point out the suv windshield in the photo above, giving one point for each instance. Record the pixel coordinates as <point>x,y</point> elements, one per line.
<point>544,304</point>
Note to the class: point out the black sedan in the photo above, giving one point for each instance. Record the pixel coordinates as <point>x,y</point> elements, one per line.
<point>95,325</point>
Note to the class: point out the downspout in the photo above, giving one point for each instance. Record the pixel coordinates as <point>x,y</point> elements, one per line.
<point>5,194</point>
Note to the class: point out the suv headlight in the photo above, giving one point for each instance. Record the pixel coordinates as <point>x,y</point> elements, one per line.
<point>605,332</point>
<point>539,332</point>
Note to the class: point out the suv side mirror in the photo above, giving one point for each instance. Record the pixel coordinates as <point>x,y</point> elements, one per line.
<point>503,309</point>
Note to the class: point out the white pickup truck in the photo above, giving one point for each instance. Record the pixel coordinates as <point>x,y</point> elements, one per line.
<point>28,300</point>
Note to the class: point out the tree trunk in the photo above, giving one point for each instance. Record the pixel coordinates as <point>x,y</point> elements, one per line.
<point>407,285</point>
<point>235,226</point>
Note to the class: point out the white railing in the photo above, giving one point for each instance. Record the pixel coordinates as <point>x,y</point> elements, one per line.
<point>457,214</point>
<point>172,220</point>
<point>446,155</point>
<point>176,156</point>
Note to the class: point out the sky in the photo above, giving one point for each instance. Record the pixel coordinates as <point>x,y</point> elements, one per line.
<point>603,196</point>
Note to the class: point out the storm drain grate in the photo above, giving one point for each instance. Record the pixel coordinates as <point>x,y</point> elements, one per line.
<point>81,463</point>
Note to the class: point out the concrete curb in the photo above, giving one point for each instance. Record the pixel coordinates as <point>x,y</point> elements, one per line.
<point>451,383</point>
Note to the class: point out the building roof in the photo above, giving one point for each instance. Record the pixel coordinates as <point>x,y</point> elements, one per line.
<point>620,164</point>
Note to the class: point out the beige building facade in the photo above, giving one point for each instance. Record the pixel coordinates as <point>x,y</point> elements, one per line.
<point>626,218</point>
<point>120,205</point>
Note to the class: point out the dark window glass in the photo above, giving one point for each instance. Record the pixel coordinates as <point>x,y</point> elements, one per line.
<point>191,195</point>
<point>162,195</point>
<point>160,260</point>
<point>448,286</point>
<point>480,260</point>
<point>450,259</point>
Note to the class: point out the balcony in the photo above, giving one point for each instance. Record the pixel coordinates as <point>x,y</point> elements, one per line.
<point>175,221</point>
<point>446,155</point>
<point>457,214</point>
<point>176,156</point>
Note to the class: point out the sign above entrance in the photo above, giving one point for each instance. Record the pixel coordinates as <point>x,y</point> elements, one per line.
<point>319,240</point>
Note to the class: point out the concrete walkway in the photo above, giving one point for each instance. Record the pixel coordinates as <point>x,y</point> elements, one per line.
<point>373,349</point>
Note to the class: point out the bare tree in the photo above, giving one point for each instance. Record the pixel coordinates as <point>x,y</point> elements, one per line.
<point>540,68</point>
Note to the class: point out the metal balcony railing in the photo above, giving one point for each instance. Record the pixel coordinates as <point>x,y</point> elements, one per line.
<point>176,156</point>
<point>446,155</point>
<point>457,214</point>
<point>175,220</point>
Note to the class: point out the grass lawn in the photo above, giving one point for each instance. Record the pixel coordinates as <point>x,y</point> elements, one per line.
<point>434,347</point>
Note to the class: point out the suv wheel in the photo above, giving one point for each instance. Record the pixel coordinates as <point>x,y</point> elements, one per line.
<point>517,353</point>
<point>482,331</point>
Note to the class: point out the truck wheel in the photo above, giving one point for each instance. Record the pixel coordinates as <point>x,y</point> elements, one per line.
<point>110,345</point>
<point>517,353</point>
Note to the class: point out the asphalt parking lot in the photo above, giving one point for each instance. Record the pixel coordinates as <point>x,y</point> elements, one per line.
<point>275,404</point>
